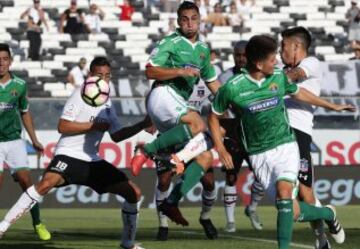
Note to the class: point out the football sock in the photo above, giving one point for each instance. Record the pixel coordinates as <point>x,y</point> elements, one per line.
<point>129,218</point>
<point>26,201</point>
<point>191,177</point>
<point>230,198</point>
<point>257,193</point>
<point>35,214</point>
<point>208,199</point>
<point>197,145</point>
<point>177,135</point>
<point>284,222</point>
<point>160,196</point>
<point>310,213</point>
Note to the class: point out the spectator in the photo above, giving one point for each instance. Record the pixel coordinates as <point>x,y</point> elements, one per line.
<point>217,18</point>
<point>244,7</point>
<point>171,28</point>
<point>36,16</point>
<point>78,74</point>
<point>126,11</point>
<point>170,5</point>
<point>234,17</point>
<point>215,61</point>
<point>353,16</point>
<point>93,19</point>
<point>75,20</point>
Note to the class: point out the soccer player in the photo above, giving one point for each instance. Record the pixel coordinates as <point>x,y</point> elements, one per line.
<point>258,95</point>
<point>76,159</point>
<point>177,64</point>
<point>14,106</point>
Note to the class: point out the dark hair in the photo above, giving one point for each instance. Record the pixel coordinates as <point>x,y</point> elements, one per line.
<point>240,44</point>
<point>186,5</point>
<point>259,48</point>
<point>299,32</point>
<point>5,47</point>
<point>99,61</point>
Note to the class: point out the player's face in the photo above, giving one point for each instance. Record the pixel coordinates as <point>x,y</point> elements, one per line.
<point>104,72</point>
<point>5,62</point>
<point>189,22</point>
<point>239,57</point>
<point>288,49</point>
<point>267,65</point>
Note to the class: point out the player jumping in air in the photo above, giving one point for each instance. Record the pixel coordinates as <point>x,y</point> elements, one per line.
<point>76,159</point>
<point>13,101</point>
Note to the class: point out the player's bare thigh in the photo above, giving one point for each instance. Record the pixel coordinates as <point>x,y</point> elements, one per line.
<point>48,182</point>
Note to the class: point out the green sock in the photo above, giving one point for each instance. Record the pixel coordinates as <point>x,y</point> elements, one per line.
<point>284,222</point>
<point>311,213</point>
<point>177,135</point>
<point>191,177</point>
<point>35,214</point>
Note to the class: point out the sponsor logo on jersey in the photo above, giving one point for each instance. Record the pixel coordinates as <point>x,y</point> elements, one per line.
<point>273,87</point>
<point>263,105</point>
<point>6,106</point>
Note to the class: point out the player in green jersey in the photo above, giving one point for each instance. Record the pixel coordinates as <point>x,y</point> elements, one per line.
<point>257,95</point>
<point>14,108</point>
<point>176,65</point>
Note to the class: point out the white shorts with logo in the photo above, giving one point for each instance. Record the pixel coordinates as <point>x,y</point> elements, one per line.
<point>13,153</point>
<point>280,163</point>
<point>165,107</point>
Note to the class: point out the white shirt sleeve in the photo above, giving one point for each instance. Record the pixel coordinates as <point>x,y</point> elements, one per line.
<point>72,107</point>
<point>311,67</point>
<point>114,120</point>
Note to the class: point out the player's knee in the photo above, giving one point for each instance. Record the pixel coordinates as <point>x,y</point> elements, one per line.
<point>208,182</point>
<point>163,184</point>
<point>44,186</point>
<point>197,125</point>
<point>205,159</point>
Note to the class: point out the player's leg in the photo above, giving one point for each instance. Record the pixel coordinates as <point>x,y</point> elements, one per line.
<point>256,195</point>
<point>208,200</point>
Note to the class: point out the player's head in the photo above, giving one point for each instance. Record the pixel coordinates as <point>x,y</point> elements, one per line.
<point>5,59</point>
<point>82,63</point>
<point>188,15</point>
<point>100,66</point>
<point>239,54</point>
<point>261,54</point>
<point>294,45</point>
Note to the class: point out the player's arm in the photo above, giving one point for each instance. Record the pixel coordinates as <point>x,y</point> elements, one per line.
<point>68,127</point>
<point>296,74</point>
<point>29,127</point>
<point>129,131</point>
<point>162,73</point>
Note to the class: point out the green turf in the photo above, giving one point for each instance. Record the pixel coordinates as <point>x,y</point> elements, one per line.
<point>100,228</point>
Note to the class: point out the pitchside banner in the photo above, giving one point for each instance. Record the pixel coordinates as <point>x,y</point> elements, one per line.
<point>338,185</point>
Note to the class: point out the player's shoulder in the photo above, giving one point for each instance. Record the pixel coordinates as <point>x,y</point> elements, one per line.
<point>235,80</point>
<point>170,39</point>
<point>18,80</point>
<point>310,61</point>
<point>278,71</point>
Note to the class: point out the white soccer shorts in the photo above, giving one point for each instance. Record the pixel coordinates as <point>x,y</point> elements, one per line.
<point>280,163</point>
<point>13,153</point>
<point>165,107</point>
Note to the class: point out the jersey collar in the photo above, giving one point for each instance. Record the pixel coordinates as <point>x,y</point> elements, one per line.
<point>193,45</point>
<point>251,79</point>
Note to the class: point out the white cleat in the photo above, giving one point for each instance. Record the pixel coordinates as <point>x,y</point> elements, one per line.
<point>335,229</point>
<point>254,219</point>
<point>325,245</point>
<point>230,227</point>
<point>136,246</point>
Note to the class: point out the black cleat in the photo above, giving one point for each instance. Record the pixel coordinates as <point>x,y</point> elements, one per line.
<point>209,228</point>
<point>162,233</point>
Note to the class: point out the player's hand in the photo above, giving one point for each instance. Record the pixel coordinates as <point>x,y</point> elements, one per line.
<point>226,158</point>
<point>349,108</point>
<point>100,126</point>
<point>38,147</point>
<point>189,72</point>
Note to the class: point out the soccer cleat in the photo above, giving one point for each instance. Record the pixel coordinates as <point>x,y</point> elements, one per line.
<point>136,246</point>
<point>254,219</point>
<point>325,246</point>
<point>335,229</point>
<point>230,227</point>
<point>138,160</point>
<point>179,165</point>
<point>209,228</point>
<point>42,232</point>
<point>162,234</point>
<point>173,212</point>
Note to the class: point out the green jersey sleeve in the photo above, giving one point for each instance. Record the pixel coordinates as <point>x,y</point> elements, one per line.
<point>23,100</point>
<point>207,72</point>
<point>290,88</point>
<point>161,53</point>
<point>222,100</point>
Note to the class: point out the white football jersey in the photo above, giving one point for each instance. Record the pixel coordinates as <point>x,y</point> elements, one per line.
<point>200,96</point>
<point>85,146</point>
<point>301,114</point>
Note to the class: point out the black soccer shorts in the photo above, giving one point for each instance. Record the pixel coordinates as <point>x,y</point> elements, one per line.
<point>306,168</point>
<point>98,175</point>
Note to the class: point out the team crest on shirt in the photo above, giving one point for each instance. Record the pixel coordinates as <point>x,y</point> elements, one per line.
<point>273,87</point>
<point>202,56</point>
<point>14,93</point>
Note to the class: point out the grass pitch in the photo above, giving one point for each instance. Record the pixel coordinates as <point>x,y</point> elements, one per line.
<point>101,228</point>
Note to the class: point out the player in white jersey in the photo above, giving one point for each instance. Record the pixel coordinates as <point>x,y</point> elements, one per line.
<point>76,159</point>
<point>305,71</point>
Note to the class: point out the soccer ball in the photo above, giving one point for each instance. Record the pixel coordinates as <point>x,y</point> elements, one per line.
<point>95,91</point>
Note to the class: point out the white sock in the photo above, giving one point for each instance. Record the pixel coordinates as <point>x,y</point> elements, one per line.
<point>194,147</point>
<point>159,197</point>
<point>257,193</point>
<point>318,227</point>
<point>129,217</point>
<point>26,201</point>
<point>208,199</point>
<point>230,198</point>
